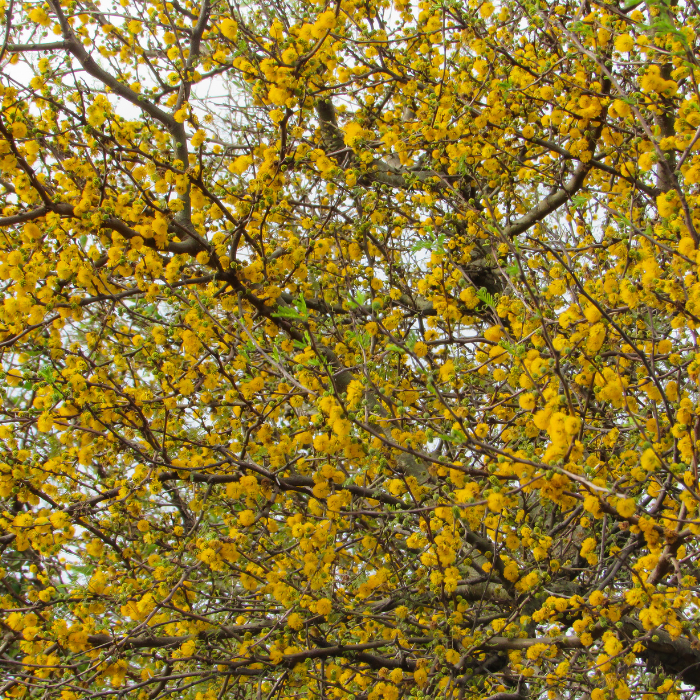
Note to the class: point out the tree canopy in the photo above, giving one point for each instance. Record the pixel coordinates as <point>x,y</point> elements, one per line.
<point>349,349</point>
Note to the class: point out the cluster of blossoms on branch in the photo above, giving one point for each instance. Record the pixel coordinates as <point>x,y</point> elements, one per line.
<point>349,349</point>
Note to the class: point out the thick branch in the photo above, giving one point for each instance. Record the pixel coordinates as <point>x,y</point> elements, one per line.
<point>152,642</point>
<point>677,657</point>
<point>191,246</point>
<point>550,203</point>
<point>23,48</point>
<point>290,483</point>
<point>24,216</point>
<point>379,171</point>
<point>76,48</point>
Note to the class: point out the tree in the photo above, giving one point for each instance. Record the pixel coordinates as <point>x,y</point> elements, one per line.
<point>349,349</point>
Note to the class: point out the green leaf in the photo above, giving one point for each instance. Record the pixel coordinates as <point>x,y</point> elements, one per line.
<point>298,312</point>
<point>433,243</point>
<point>287,312</point>
<point>485,297</point>
<point>85,569</point>
<point>358,301</point>
<point>47,374</point>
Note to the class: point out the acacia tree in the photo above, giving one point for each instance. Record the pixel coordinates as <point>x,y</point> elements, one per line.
<point>349,349</point>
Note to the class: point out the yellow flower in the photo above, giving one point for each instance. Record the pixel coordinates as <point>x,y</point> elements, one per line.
<point>511,571</point>
<point>646,162</point>
<point>496,502</point>
<point>624,43</point>
<point>612,645</point>
<point>229,28</point>
<point>290,55</point>
<point>587,546</point>
<point>39,16</point>
<point>45,422</point>
<point>353,133</point>
<point>420,676</point>
<point>276,30</point>
<point>295,622</point>
<point>278,95</point>
<point>592,314</point>
<point>19,130</point>
<point>626,507</point>
<point>240,165</point>
<point>420,349</point>
<point>686,246</point>
<point>597,598</point>
<point>486,10</point>
<point>447,371</point>
<point>667,203</point>
<point>469,491</point>
<point>198,139</point>
<point>246,518</point>
<point>649,460</point>
<point>596,337</point>
<point>537,650</point>
<point>527,402</point>
<point>622,692</point>
<point>494,334</point>
<point>326,20</point>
